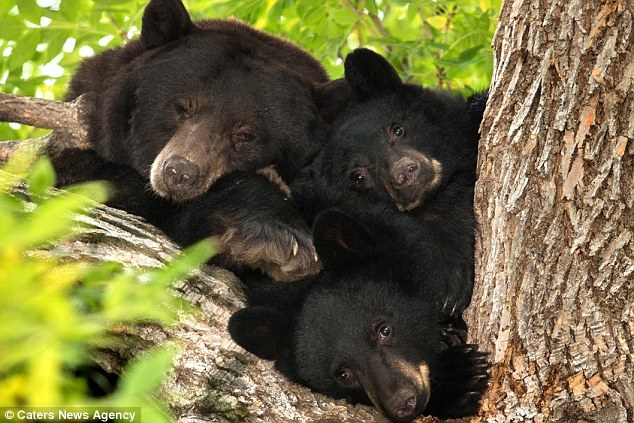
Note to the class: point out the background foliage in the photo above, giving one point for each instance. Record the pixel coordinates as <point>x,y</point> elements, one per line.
<point>442,43</point>
<point>54,314</point>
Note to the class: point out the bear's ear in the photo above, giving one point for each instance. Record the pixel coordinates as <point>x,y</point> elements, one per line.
<point>370,74</point>
<point>260,330</point>
<point>477,103</point>
<point>164,21</point>
<point>341,240</point>
<point>332,98</point>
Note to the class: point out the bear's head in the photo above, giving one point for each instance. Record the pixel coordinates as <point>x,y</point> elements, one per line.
<point>356,330</point>
<point>194,101</point>
<point>218,117</point>
<point>399,142</point>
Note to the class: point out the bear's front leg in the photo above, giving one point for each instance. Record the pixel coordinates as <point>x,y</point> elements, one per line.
<point>283,252</point>
<point>257,227</point>
<point>460,382</point>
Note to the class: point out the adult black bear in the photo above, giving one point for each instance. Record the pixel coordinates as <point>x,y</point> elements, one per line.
<point>366,328</point>
<point>412,148</point>
<point>189,102</point>
<point>193,109</point>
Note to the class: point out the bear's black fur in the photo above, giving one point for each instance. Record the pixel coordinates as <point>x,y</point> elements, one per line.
<point>382,322</point>
<point>365,328</point>
<point>256,224</point>
<point>412,148</point>
<point>192,110</point>
<point>189,102</point>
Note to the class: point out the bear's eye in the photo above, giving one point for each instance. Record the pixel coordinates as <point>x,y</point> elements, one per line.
<point>397,131</point>
<point>343,376</point>
<point>359,177</point>
<point>384,331</point>
<point>186,107</point>
<point>243,137</point>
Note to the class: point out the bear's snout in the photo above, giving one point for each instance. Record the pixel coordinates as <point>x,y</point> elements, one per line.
<point>405,171</point>
<point>410,178</point>
<point>180,174</point>
<point>402,405</point>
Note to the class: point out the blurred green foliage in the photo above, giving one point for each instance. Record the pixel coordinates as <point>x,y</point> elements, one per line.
<point>54,313</point>
<point>443,43</point>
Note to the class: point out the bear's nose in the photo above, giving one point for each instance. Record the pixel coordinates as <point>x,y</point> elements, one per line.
<point>406,412</point>
<point>179,173</point>
<point>405,171</point>
<point>403,405</point>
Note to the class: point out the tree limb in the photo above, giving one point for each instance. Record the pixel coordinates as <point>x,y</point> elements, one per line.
<point>213,379</point>
<point>65,118</point>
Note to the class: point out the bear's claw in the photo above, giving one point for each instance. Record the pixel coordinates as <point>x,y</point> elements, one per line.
<point>284,253</point>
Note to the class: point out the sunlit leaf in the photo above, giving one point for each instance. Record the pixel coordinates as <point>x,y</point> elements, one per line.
<point>24,48</point>
<point>485,5</point>
<point>437,22</point>
<point>41,177</point>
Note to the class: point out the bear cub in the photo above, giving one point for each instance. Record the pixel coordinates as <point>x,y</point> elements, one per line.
<point>382,323</point>
<point>365,328</point>
<point>413,149</point>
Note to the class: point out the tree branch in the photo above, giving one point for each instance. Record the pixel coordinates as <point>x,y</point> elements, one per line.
<point>213,379</point>
<point>360,18</point>
<point>67,119</point>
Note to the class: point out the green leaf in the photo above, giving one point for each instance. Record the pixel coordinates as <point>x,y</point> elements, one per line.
<point>10,205</point>
<point>342,16</point>
<point>41,177</point>
<point>24,48</point>
<point>70,9</point>
<point>55,41</point>
<point>371,6</point>
<point>18,165</point>
<point>469,53</point>
<point>51,220</point>
<point>11,27</point>
<point>30,11</point>
<point>188,260</point>
<point>96,191</point>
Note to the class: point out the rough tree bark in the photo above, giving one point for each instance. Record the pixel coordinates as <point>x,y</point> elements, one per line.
<point>554,297</point>
<point>66,118</point>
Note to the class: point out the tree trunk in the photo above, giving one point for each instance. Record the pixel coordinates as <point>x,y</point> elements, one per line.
<point>554,299</point>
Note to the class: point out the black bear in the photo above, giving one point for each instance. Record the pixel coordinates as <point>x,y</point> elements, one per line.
<point>189,102</point>
<point>366,328</point>
<point>192,109</point>
<point>410,147</point>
